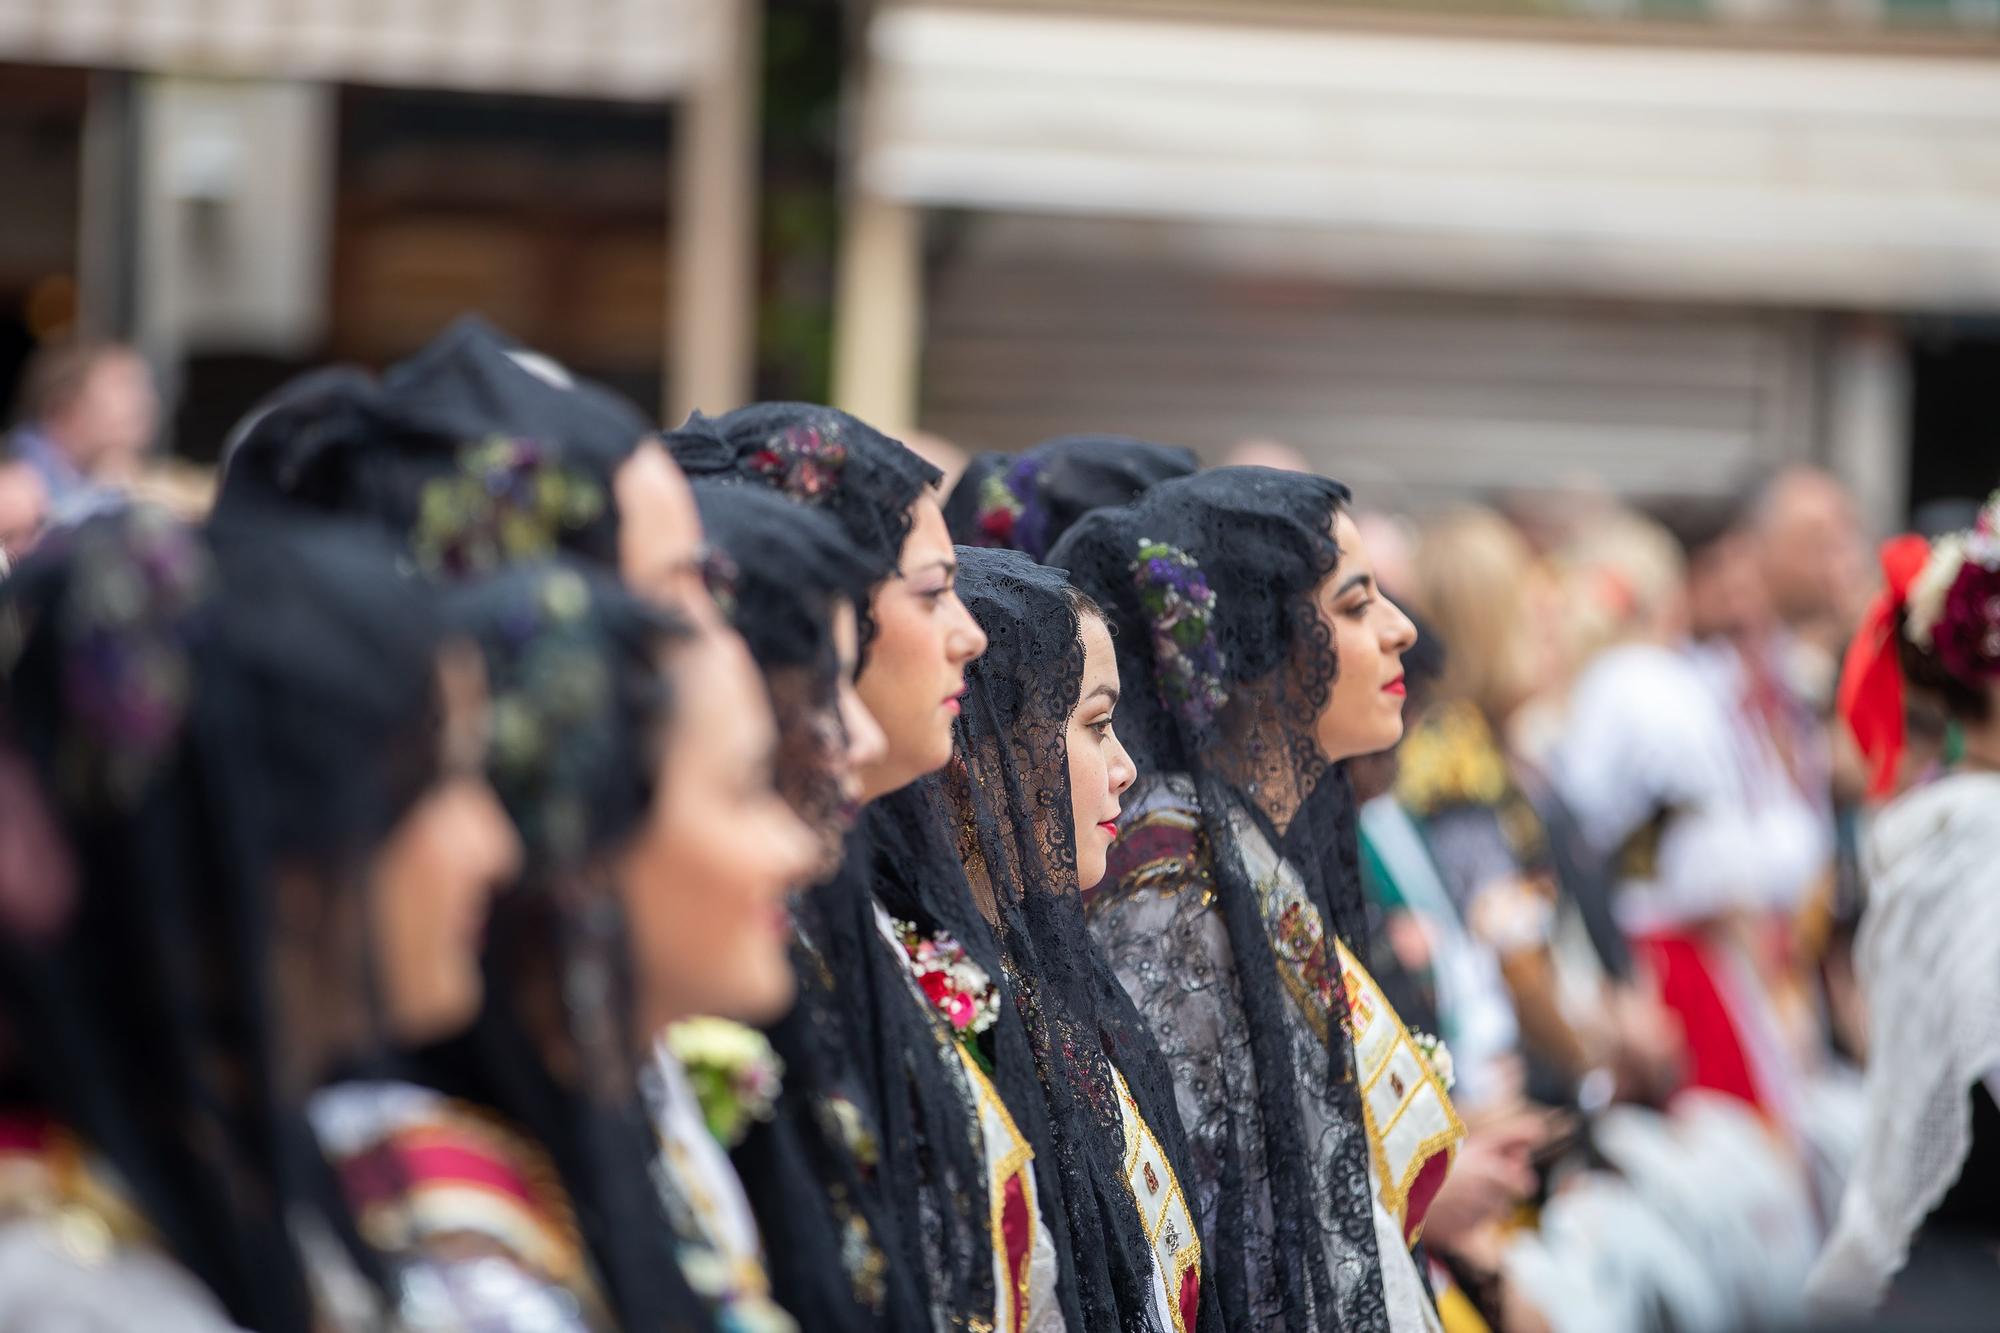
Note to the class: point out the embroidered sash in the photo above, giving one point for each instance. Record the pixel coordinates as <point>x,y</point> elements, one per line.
<point>1010,1186</point>
<point>1164,1213</point>
<point>1413,1131</point>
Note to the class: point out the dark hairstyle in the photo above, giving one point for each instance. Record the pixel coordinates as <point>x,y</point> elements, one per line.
<point>1926,676</point>
<point>473,381</point>
<point>1698,523</point>
<point>793,566</point>
<point>1265,536</point>
<point>793,569</point>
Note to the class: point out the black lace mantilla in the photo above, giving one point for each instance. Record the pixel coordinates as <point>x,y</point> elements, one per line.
<point>1218,711</point>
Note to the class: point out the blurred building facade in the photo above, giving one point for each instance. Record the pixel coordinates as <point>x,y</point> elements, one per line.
<point>243,187</point>
<point>1659,243</point>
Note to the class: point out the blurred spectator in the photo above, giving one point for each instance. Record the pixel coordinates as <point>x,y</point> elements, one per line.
<point>941,454</point>
<point>1669,760</point>
<point>1267,453</point>
<point>1390,541</point>
<point>1454,982</point>
<point>88,413</point>
<point>24,507</point>
<point>1623,581</point>
<point>1508,849</point>
<point>1815,563</point>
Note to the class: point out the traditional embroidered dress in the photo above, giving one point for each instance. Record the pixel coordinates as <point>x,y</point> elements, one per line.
<point>73,1253</point>
<point>1024,1257</point>
<point>721,1254</point>
<point>468,1210</point>
<point>1157,923</point>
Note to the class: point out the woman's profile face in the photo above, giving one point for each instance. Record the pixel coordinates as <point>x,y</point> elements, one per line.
<point>436,873</point>
<point>924,640</point>
<point>660,547</point>
<point>1100,771</point>
<point>706,881</point>
<point>1364,705</point>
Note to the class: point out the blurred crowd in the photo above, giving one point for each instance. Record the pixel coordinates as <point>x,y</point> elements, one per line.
<point>1615,885</point>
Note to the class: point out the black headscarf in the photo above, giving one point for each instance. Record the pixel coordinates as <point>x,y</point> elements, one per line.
<point>580,708</point>
<point>1009,792</point>
<point>464,451</point>
<point>821,458</point>
<point>203,714</point>
<point>1028,501</point>
<point>1209,582</point>
<point>472,381</point>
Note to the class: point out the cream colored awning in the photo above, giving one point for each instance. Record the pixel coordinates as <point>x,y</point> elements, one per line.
<point>1461,162</point>
<point>623,49</point>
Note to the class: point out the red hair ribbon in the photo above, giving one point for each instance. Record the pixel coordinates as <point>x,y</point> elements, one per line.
<point>1871,681</point>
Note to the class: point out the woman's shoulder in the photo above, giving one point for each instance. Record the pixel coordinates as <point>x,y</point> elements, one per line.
<point>59,1273</point>
<point>73,1252</point>
<point>431,1176</point>
<point>1161,847</point>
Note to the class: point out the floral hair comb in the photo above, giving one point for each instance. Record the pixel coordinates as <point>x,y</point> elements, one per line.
<point>510,500</point>
<point>802,461</point>
<point>1180,609</point>
<point>1954,606</point>
<point>1008,514</point>
<point>548,717</point>
<point>999,510</point>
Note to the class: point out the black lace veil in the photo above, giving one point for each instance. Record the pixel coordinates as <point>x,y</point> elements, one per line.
<point>1225,663</point>
<point>202,712</point>
<point>1028,501</point>
<point>1009,791</point>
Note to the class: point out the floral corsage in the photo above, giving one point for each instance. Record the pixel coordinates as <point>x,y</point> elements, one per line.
<point>1437,1055</point>
<point>733,1070</point>
<point>958,987</point>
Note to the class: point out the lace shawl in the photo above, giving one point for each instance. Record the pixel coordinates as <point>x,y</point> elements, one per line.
<point>1928,956</point>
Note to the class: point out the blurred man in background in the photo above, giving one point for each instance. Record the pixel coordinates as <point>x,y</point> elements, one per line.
<point>24,507</point>
<point>1814,561</point>
<point>89,411</point>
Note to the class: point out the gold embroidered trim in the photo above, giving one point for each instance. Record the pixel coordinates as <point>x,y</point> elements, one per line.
<point>1016,1160</point>
<point>1139,1139</point>
<point>1395,1189</point>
